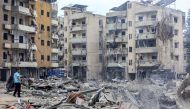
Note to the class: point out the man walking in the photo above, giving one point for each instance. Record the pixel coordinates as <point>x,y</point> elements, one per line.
<point>17,83</point>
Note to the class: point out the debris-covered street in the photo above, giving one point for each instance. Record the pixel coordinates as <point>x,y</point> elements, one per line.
<point>57,93</point>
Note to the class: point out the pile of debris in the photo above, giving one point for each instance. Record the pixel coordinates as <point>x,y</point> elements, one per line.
<point>56,93</point>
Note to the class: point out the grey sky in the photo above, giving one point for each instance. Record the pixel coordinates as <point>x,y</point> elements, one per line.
<point>103,6</point>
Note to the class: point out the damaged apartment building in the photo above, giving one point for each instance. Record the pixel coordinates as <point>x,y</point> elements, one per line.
<point>28,36</point>
<point>142,37</point>
<point>83,36</point>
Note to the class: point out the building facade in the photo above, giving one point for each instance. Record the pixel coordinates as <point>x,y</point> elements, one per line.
<point>29,37</point>
<point>83,32</point>
<point>154,38</point>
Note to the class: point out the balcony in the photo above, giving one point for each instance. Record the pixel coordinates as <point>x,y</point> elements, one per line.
<point>145,23</point>
<point>6,64</point>
<point>54,64</point>
<point>79,52</point>
<point>60,53</point>
<point>7,45</point>
<point>78,16</point>
<point>23,46</point>
<point>20,27</point>
<point>115,64</point>
<point>146,50</point>
<point>24,64</point>
<point>148,63</point>
<point>79,63</point>
<point>118,51</point>
<point>54,22</point>
<point>115,26</point>
<point>20,9</point>
<point>55,50</point>
<point>78,28</point>
<point>146,36</point>
<point>79,39</point>
<point>55,36</point>
<point>117,39</point>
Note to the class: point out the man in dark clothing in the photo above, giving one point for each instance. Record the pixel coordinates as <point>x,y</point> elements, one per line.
<point>17,83</point>
<point>10,84</point>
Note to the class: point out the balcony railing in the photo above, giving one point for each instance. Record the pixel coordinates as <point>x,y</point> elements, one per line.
<point>78,28</point>
<point>20,27</point>
<point>79,39</point>
<point>146,50</point>
<point>111,39</point>
<point>145,23</point>
<point>79,63</point>
<point>79,52</point>
<point>148,63</point>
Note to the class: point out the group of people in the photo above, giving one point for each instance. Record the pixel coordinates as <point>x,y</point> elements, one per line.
<point>14,81</point>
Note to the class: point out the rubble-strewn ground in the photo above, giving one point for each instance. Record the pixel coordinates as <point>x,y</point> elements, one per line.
<point>55,93</point>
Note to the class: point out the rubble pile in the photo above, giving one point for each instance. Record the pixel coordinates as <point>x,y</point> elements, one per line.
<point>57,93</point>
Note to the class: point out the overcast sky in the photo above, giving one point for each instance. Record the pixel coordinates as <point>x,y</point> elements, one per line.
<point>103,6</point>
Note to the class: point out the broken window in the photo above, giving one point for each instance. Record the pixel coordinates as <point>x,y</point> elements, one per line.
<point>48,28</point>
<point>42,42</point>
<point>21,39</point>
<point>48,58</point>
<point>140,18</point>
<point>74,58</point>
<point>153,17</point>
<point>48,14</point>
<point>21,21</point>
<point>5,36</point>
<point>123,33</point>
<point>130,36</point>
<point>83,46</point>
<point>122,20</point>
<point>83,22</point>
<point>5,1</point>
<point>5,17</point>
<point>153,30</point>
<point>4,55</point>
<point>129,6</point>
<point>84,58</point>
<point>48,43</point>
<point>21,56</point>
<point>123,58</point>
<point>176,32</point>
<point>130,23</point>
<point>83,34</point>
<point>175,19</point>
<point>130,49</point>
<point>176,58</point>
<point>74,35</point>
<point>154,57</point>
<point>123,45</point>
<point>42,12</point>
<point>141,31</point>
<point>21,4</point>
<point>42,27</point>
<point>130,62</point>
<point>12,20</point>
<point>73,46</point>
<point>42,57</point>
<point>176,44</point>
<point>65,40</point>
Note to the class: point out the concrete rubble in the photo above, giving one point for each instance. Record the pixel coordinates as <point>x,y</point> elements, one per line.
<point>57,93</point>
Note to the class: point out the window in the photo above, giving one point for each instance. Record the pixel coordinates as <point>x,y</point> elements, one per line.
<point>65,51</point>
<point>12,20</point>
<point>175,19</point>
<point>21,21</point>
<point>21,39</point>
<point>84,58</point>
<point>153,17</point>
<point>130,62</point>
<point>48,58</point>
<point>176,44</point>
<point>140,18</point>
<point>83,22</point>
<point>123,58</point>
<point>21,56</point>
<point>42,42</point>
<point>130,49</point>
<point>83,46</point>
<point>42,27</point>
<point>130,36</point>
<point>176,58</point>
<point>154,57</point>
<point>140,31</point>
<point>122,20</point>
<point>130,23</point>
<point>153,30</point>
<point>5,1</point>
<point>5,36</point>
<point>73,46</point>
<point>83,34</point>
<point>123,33</point>
<point>176,32</point>
<point>48,43</point>
<point>5,17</point>
<point>48,28</point>
<point>42,12</point>
<point>65,40</point>
<point>73,23</point>
<point>32,6</point>
<point>33,40</point>
<point>4,55</point>
<point>100,57</point>
<point>123,45</point>
<point>12,38</point>
<point>21,4</point>
<point>42,57</point>
<point>129,6</point>
<point>114,58</point>
<point>47,14</point>
<point>74,35</point>
<point>13,2</point>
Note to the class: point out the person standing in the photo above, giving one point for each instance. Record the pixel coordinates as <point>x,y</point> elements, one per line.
<point>17,82</point>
